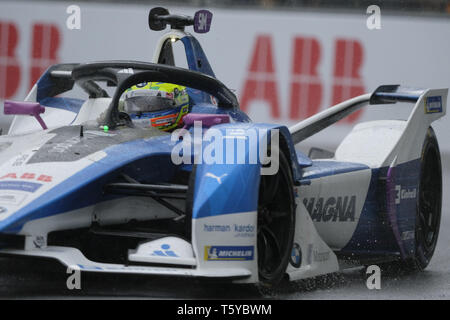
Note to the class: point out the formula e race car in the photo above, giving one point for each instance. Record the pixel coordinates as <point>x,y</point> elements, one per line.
<point>222,197</point>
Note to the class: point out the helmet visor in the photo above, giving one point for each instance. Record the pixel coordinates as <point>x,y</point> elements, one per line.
<point>147,101</point>
<point>148,104</point>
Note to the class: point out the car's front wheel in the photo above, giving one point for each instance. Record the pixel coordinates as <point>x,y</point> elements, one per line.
<point>276,223</point>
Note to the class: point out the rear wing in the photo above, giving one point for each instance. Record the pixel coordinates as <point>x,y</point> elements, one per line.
<point>434,106</point>
<point>388,94</point>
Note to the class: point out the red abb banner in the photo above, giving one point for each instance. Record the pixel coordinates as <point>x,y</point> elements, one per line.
<point>45,46</point>
<point>306,88</point>
<point>9,64</point>
<point>46,41</point>
<point>347,82</point>
<point>261,80</point>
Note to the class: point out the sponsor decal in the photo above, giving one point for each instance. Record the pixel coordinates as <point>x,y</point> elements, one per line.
<point>164,252</point>
<point>320,256</point>
<point>28,176</point>
<point>64,146</point>
<point>39,242</point>
<point>334,209</point>
<point>243,228</point>
<point>296,256</point>
<point>127,70</point>
<point>433,104</point>
<point>408,235</point>
<point>315,255</point>
<point>216,228</point>
<point>3,210</point>
<point>404,193</point>
<point>218,178</point>
<point>240,230</point>
<point>20,185</point>
<point>12,198</point>
<point>161,121</point>
<point>229,253</point>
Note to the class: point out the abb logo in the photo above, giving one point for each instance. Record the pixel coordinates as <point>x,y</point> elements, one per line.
<point>28,176</point>
<point>347,81</point>
<point>44,49</point>
<point>9,64</point>
<point>306,88</point>
<point>261,80</point>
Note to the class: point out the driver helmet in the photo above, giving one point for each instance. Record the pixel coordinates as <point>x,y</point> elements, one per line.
<point>157,104</point>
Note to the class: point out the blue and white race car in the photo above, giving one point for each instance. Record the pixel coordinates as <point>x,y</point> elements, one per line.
<point>83,182</point>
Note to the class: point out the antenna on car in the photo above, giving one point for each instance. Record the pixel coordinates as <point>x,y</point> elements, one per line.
<point>159,18</point>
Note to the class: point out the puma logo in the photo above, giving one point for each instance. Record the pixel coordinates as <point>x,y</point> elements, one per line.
<point>219,179</point>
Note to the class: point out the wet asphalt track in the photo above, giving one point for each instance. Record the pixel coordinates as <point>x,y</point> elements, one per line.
<point>30,279</point>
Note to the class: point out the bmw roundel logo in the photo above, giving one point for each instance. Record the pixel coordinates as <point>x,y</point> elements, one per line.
<point>296,256</point>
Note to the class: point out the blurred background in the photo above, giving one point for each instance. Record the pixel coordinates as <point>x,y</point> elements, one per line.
<point>285,59</point>
<point>423,7</point>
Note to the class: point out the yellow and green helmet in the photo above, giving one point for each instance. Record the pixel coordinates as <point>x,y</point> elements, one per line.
<point>157,104</point>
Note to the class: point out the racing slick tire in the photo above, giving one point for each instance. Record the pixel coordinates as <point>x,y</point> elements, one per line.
<point>428,212</point>
<point>429,203</point>
<point>276,224</point>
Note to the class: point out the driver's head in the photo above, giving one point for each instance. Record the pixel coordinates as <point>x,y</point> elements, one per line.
<point>157,104</point>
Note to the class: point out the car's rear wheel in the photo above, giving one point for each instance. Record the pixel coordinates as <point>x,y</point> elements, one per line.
<point>428,212</point>
<point>276,223</point>
<point>428,216</point>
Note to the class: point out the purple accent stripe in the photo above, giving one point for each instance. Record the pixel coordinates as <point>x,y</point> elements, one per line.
<point>207,120</point>
<point>25,108</point>
<point>392,208</point>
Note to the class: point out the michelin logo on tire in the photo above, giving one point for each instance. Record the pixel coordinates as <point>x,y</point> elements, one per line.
<point>229,253</point>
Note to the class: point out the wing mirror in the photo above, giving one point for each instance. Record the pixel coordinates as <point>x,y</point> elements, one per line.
<point>159,18</point>
<point>25,108</point>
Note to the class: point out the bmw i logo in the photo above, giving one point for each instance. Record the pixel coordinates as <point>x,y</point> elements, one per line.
<point>296,256</point>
